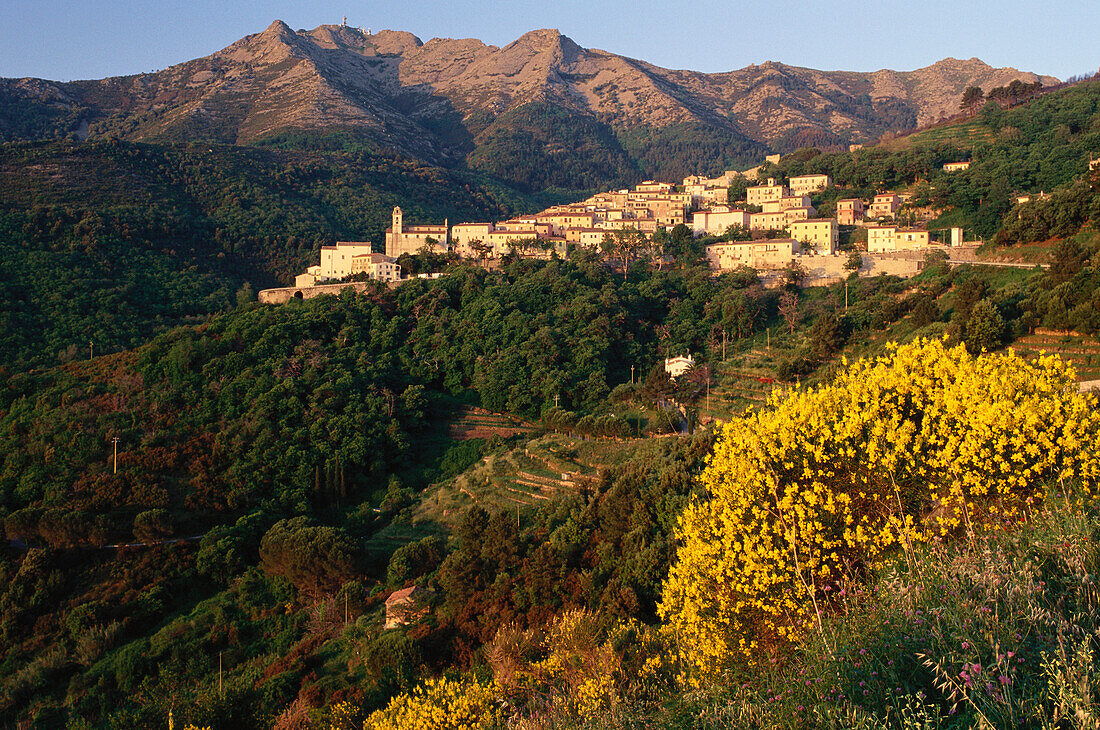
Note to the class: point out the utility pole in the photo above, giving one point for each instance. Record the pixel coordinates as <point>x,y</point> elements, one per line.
<point>845,295</point>
<point>556,396</point>
<point>91,350</point>
<point>769,338</point>
<point>115,442</point>
<point>632,375</point>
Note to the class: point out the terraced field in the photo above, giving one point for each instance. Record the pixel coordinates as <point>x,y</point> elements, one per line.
<point>478,423</point>
<point>965,134</point>
<point>382,544</point>
<point>1082,351</point>
<point>523,479</point>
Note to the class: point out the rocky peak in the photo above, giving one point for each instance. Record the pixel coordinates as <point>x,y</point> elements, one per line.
<point>339,36</point>
<point>276,33</point>
<point>395,42</point>
<point>276,43</point>
<point>548,45</point>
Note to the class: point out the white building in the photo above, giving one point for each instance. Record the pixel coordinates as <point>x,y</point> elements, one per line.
<point>765,254</point>
<point>677,366</point>
<point>806,184</point>
<point>715,222</point>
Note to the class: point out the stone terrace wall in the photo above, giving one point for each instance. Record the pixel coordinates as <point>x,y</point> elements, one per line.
<point>285,294</point>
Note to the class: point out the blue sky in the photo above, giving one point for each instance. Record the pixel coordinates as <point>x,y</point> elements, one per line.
<point>67,39</point>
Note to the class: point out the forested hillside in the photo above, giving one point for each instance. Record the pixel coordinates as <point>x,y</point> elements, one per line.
<point>318,413</point>
<point>113,242</point>
<point>297,452</point>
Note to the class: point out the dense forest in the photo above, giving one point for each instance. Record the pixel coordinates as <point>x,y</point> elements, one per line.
<point>206,511</point>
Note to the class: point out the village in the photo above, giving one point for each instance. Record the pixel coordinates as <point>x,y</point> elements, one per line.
<point>774,226</point>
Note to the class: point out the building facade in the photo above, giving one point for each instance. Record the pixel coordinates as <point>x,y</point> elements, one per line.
<point>849,211</point>
<point>891,238</point>
<point>773,254</point>
<point>715,222</point>
<point>760,194</point>
<point>820,235</point>
<point>401,239</point>
<point>807,184</point>
<point>885,205</point>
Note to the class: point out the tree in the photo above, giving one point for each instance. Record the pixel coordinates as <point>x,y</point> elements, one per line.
<point>967,294</point>
<point>854,262</point>
<point>972,99</point>
<point>480,248</point>
<point>654,249</point>
<point>245,295</point>
<point>925,310</point>
<point>737,232</point>
<point>430,244</point>
<point>826,336</point>
<point>738,189</point>
<point>152,525</point>
<point>413,560</point>
<point>1067,258</point>
<point>524,246</point>
<point>742,277</point>
<point>936,260</point>
<point>315,558</point>
<point>788,308</point>
<point>624,245</point>
<point>737,313</point>
<point>985,328</point>
<point>793,276</point>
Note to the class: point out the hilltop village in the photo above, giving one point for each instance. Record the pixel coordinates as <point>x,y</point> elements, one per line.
<point>774,225</point>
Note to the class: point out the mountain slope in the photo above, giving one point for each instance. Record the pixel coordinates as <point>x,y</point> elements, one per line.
<point>436,101</point>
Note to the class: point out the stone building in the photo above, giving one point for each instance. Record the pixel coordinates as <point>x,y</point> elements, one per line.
<point>402,239</point>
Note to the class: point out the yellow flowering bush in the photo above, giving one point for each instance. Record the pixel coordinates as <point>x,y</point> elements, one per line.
<point>806,494</point>
<point>344,716</point>
<point>440,704</point>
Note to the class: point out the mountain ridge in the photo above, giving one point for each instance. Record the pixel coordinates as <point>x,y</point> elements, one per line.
<point>437,100</point>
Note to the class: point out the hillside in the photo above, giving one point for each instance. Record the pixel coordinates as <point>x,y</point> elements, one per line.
<point>113,242</point>
<point>1040,146</point>
<point>451,101</point>
<point>282,470</point>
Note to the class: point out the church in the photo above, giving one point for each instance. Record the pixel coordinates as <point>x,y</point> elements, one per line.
<point>409,239</point>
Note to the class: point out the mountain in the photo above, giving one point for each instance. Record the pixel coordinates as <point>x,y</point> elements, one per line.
<point>539,112</point>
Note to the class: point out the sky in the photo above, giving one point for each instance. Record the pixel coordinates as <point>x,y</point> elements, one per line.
<point>66,40</point>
